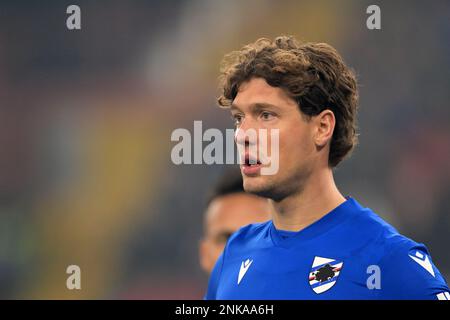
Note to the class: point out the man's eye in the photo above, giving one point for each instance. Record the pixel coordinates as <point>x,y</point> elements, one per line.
<point>237,119</point>
<point>223,237</point>
<point>266,115</point>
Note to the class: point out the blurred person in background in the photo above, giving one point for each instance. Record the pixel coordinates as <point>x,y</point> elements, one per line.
<point>229,208</point>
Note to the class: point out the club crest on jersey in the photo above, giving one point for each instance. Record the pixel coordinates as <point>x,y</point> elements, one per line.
<point>324,273</point>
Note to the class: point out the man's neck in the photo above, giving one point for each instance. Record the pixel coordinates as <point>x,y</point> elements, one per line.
<point>318,197</point>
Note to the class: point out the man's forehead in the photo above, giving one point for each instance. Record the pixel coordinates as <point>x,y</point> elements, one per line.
<point>257,93</point>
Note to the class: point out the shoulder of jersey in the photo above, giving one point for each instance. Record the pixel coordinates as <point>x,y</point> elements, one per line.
<point>394,246</point>
<point>387,235</point>
<point>374,235</point>
<point>249,231</point>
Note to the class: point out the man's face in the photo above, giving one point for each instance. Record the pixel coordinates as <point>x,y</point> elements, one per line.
<point>224,216</point>
<point>261,106</point>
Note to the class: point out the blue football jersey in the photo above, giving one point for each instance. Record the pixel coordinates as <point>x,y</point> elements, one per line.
<point>350,253</point>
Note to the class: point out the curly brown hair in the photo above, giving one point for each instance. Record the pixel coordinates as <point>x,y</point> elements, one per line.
<point>313,74</point>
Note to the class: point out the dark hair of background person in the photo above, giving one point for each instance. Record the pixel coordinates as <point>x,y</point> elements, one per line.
<point>229,182</point>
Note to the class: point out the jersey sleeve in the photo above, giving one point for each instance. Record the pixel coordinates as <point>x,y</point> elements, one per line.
<point>214,278</point>
<point>408,273</point>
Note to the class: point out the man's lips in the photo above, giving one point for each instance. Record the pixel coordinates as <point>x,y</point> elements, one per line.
<point>250,165</point>
<point>250,160</point>
<point>251,170</point>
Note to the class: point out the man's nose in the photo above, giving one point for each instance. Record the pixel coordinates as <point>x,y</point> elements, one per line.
<point>245,134</point>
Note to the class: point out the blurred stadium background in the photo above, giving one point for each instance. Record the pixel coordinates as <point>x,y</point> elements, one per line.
<point>86,117</point>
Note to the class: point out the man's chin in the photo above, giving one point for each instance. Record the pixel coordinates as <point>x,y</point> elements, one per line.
<point>255,186</point>
<point>262,187</point>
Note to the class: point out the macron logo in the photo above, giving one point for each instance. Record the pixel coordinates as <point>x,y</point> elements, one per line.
<point>443,296</point>
<point>244,267</point>
<point>423,261</point>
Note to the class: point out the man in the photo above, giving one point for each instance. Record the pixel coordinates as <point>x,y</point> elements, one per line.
<point>319,244</point>
<point>229,208</point>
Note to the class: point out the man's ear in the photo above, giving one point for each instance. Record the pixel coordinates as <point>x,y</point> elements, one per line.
<point>203,255</point>
<point>325,123</point>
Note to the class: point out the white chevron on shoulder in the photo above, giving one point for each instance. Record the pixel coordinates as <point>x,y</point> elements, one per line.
<point>245,265</point>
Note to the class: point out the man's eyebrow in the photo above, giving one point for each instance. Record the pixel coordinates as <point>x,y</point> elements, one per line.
<point>255,106</point>
<point>234,107</point>
<point>262,105</point>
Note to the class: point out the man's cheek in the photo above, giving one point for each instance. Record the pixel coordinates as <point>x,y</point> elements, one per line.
<point>273,154</point>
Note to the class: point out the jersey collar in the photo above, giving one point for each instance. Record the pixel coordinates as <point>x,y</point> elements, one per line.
<point>333,218</point>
